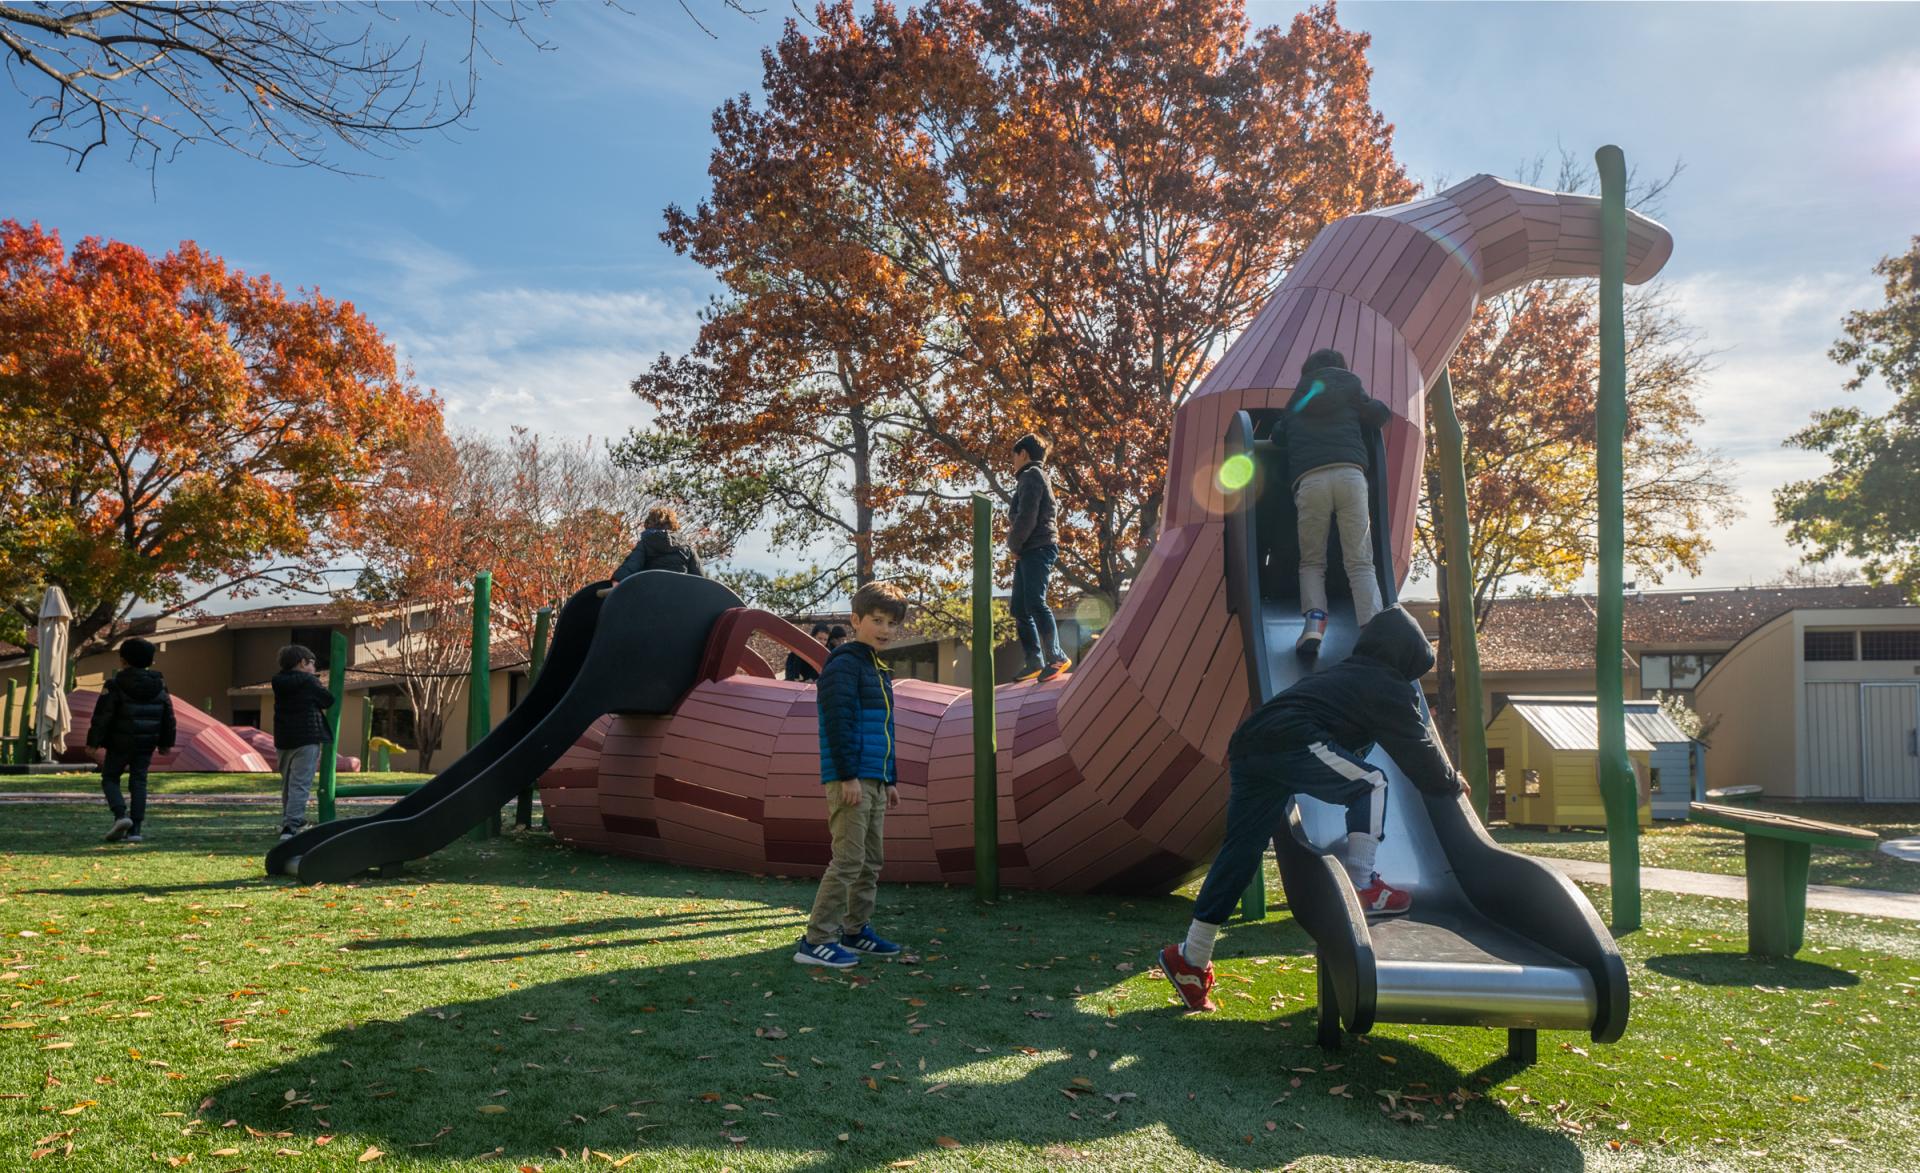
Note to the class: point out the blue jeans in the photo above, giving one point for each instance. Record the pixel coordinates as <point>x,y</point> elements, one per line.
<point>1032,618</point>
<point>1261,786</point>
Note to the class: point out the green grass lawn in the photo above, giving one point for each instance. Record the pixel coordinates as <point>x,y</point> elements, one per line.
<point>511,1003</point>
<point>160,785</point>
<point>1697,848</point>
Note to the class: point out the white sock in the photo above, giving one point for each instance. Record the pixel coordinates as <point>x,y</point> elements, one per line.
<point>1361,851</point>
<point>1199,947</point>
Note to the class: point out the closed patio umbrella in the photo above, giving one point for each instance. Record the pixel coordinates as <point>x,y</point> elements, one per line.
<point>51,717</point>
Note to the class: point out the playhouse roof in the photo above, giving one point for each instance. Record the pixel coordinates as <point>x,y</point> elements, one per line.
<point>1570,723</point>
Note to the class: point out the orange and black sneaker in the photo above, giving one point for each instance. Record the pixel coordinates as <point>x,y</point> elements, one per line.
<point>1192,983</point>
<point>1030,673</point>
<point>1063,664</point>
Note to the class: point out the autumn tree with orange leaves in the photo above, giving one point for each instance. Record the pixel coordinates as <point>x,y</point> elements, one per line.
<point>176,428</point>
<point>945,226</point>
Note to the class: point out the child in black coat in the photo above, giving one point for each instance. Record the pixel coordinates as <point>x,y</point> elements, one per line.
<point>134,717</point>
<point>1310,740</point>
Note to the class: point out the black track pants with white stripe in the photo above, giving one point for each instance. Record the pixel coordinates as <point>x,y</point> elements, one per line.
<point>1261,786</point>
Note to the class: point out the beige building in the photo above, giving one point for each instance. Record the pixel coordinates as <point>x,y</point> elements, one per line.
<point>1820,705</point>
<point>223,665</point>
<point>1672,639</point>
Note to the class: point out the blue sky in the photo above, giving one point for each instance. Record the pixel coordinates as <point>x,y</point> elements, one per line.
<point>516,262</point>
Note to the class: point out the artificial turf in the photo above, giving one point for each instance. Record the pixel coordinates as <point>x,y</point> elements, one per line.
<point>1696,847</point>
<point>512,1003</point>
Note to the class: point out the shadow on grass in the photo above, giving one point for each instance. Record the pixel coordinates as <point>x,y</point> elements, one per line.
<point>1744,969</point>
<point>748,1055</point>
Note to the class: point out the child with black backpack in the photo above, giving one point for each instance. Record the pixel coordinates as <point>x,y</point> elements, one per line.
<point>132,719</point>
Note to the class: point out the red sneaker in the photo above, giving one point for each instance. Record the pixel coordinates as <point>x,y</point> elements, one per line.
<point>1192,984</point>
<point>1378,899</point>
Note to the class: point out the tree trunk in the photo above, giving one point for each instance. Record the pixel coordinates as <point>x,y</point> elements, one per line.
<point>1446,701</point>
<point>862,497</point>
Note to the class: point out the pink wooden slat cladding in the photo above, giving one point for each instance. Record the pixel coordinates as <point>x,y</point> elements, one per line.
<point>1114,777</point>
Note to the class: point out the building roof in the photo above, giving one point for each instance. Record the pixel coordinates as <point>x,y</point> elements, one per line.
<point>1557,633</point>
<point>504,655</point>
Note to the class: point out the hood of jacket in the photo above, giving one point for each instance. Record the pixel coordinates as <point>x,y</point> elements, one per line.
<point>658,541</point>
<point>1326,389</point>
<point>1394,638</point>
<point>139,684</point>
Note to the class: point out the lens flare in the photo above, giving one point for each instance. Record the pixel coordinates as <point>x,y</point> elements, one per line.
<point>1236,472</point>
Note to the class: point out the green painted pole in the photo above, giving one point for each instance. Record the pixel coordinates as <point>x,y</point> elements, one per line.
<point>6,722</point>
<point>479,692</point>
<point>366,731</point>
<point>1457,540</point>
<point>1616,772</point>
<point>330,752</point>
<point>537,657</point>
<point>986,784</point>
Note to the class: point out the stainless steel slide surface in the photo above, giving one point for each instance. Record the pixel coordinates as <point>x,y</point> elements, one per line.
<point>637,650</point>
<point>1495,938</point>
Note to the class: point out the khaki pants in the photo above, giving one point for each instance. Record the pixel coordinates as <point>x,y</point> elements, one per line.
<point>852,881</point>
<point>1336,493</point>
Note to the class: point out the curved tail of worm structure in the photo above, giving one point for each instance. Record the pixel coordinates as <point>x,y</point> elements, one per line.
<point>1112,777</point>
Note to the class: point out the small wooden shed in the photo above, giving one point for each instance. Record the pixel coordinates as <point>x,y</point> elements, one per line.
<point>1677,767</point>
<point>1545,749</point>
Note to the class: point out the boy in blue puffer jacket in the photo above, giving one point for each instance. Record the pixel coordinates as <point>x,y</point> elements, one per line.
<point>856,767</point>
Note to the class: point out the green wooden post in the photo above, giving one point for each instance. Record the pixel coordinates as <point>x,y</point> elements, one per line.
<point>537,657</point>
<point>1253,902</point>
<point>330,752</point>
<point>1457,541</point>
<point>366,731</point>
<point>6,722</point>
<point>479,690</point>
<point>986,782</point>
<point>1776,896</point>
<point>1617,788</point>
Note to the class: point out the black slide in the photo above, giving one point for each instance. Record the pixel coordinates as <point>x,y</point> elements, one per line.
<point>1495,938</point>
<point>636,650</point>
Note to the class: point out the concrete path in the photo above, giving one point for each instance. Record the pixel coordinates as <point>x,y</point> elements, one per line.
<point>160,798</point>
<point>1859,901</point>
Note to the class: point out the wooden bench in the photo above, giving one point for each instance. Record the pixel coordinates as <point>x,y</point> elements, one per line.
<point>1778,847</point>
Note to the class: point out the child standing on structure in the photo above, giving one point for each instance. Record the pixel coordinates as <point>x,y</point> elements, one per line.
<point>134,717</point>
<point>1035,546</point>
<point>1308,740</point>
<point>1327,459</point>
<point>300,705</point>
<point>857,769</point>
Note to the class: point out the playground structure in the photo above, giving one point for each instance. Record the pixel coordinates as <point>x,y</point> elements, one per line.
<point>1111,778</point>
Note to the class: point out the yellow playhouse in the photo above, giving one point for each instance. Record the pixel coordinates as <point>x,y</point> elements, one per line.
<point>1546,751</point>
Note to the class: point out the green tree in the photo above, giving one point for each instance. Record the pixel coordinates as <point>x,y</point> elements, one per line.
<point>1867,504</point>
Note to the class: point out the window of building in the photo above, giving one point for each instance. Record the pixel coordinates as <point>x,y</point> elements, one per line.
<point>393,720</point>
<point>319,641</point>
<point>1530,782</point>
<point>1678,671</point>
<point>1889,644</point>
<point>1826,646</point>
<point>1653,779</point>
<point>247,717</point>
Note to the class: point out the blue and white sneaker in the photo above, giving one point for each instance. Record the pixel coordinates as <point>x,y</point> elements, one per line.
<point>865,942</point>
<point>828,954</point>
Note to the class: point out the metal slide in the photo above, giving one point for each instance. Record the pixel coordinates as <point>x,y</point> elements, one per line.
<point>1495,938</point>
<point>636,650</point>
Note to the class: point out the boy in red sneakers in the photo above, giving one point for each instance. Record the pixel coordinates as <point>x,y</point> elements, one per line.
<point>1309,740</point>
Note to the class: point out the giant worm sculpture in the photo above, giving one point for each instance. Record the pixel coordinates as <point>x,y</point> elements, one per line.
<point>1112,777</point>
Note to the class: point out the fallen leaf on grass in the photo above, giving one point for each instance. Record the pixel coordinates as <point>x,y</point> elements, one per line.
<point>372,1154</point>
<point>946,1142</point>
<point>492,1109</point>
<point>224,1153</point>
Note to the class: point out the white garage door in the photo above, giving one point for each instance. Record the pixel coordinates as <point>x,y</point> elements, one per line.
<point>1890,725</point>
<point>1833,740</point>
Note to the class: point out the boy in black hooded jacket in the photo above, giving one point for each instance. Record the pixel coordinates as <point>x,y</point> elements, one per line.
<point>133,718</point>
<point>1327,459</point>
<point>1311,739</point>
